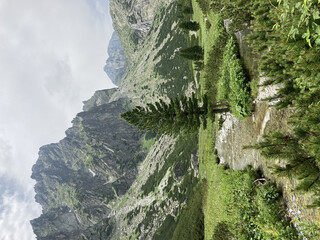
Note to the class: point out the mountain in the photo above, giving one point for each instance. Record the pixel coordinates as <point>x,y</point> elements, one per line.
<point>77,177</point>
<point>106,179</point>
<point>116,63</point>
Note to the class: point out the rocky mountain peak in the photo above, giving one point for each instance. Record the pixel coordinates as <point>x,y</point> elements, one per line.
<point>116,64</point>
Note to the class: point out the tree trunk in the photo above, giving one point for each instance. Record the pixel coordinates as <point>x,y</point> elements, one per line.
<point>221,110</point>
<point>221,104</point>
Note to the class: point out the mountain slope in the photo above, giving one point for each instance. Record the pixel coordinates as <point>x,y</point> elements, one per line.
<point>78,177</point>
<point>106,179</point>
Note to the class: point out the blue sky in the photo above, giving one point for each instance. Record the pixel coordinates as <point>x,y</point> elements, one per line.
<point>52,55</point>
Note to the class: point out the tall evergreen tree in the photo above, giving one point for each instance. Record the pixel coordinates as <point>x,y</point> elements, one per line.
<point>193,53</point>
<point>179,115</point>
<point>190,26</point>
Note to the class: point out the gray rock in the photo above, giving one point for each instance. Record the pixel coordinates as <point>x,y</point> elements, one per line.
<point>116,64</point>
<point>100,97</point>
<point>76,178</point>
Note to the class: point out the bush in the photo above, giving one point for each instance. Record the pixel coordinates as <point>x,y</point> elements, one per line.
<point>222,232</point>
<point>204,6</point>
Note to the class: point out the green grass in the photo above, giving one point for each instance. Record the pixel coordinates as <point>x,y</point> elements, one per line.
<point>170,65</point>
<point>166,230</point>
<point>224,77</point>
<point>147,143</point>
<point>211,37</point>
<point>234,204</point>
<point>220,63</point>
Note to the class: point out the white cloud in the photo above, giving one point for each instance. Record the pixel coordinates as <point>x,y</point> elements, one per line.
<point>15,214</point>
<point>52,58</point>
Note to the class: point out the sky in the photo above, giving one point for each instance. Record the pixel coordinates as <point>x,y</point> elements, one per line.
<point>52,54</point>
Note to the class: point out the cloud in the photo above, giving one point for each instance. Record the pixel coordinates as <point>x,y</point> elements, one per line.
<point>15,213</point>
<point>52,58</point>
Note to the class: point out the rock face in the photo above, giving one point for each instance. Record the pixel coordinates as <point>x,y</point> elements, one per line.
<point>76,178</point>
<point>132,20</point>
<point>116,63</point>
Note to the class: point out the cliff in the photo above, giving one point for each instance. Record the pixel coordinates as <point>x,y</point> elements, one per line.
<point>132,20</point>
<point>77,177</point>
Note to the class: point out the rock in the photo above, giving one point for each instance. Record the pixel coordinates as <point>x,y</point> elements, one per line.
<point>116,64</point>
<point>178,172</point>
<point>74,201</point>
<point>132,20</point>
<point>100,97</point>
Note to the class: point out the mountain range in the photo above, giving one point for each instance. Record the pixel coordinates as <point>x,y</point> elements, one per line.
<point>107,179</point>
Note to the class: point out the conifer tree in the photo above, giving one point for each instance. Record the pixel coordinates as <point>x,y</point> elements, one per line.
<point>193,53</point>
<point>179,115</point>
<point>189,26</point>
<point>188,10</point>
<point>300,164</point>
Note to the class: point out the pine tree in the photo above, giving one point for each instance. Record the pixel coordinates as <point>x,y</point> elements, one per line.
<point>193,53</point>
<point>300,164</point>
<point>179,115</point>
<point>187,10</point>
<point>189,26</point>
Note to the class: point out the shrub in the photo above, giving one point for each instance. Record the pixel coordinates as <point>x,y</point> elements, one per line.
<point>222,232</point>
<point>233,83</point>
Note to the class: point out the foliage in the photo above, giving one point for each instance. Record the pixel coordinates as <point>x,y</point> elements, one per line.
<point>147,143</point>
<point>299,163</point>
<point>222,232</point>
<point>180,115</point>
<point>66,195</point>
<point>166,230</point>
<point>169,64</point>
<point>238,11</point>
<point>190,26</point>
<point>233,83</point>
<point>204,5</point>
<point>213,65</point>
<point>183,149</point>
<point>306,25</point>
<point>285,35</point>
<point>245,209</point>
<point>193,53</point>
<point>309,230</point>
